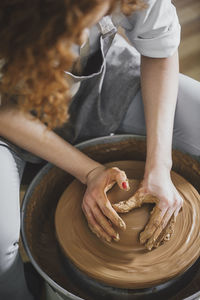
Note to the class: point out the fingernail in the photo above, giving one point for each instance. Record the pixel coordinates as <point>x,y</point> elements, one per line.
<point>122,225</point>
<point>124,185</point>
<point>108,240</point>
<point>167,237</point>
<point>142,239</point>
<point>149,247</point>
<point>116,238</point>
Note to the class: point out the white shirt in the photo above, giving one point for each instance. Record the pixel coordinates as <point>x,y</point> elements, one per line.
<point>153,31</point>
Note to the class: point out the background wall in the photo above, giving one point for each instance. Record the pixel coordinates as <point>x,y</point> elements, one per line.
<point>189,50</point>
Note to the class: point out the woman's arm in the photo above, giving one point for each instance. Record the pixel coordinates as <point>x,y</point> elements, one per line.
<point>159,80</point>
<point>30,134</point>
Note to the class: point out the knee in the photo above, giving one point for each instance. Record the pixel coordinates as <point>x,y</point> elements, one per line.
<point>8,252</point>
<point>9,233</point>
<point>9,210</point>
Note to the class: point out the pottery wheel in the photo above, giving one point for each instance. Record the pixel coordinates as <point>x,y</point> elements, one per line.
<point>127,263</point>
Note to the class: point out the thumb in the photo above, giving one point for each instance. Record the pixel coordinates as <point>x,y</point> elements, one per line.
<point>129,204</point>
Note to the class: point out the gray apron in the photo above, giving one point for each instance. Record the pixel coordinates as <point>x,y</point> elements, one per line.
<point>104,94</point>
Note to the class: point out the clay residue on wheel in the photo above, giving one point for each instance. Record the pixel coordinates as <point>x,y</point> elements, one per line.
<point>127,263</point>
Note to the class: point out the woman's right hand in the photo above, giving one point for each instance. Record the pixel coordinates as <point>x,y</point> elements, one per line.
<point>97,208</point>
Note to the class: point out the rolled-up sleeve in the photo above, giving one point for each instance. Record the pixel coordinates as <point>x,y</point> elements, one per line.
<point>153,31</point>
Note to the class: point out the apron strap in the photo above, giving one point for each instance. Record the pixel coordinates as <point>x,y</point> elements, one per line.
<point>108,31</point>
<point>84,53</point>
<point>106,26</point>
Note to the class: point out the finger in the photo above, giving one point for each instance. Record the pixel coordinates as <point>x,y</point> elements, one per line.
<point>148,198</point>
<point>111,214</point>
<point>177,211</point>
<point>155,220</point>
<point>167,232</point>
<point>127,205</point>
<point>121,178</point>
<point>169,229</point>
<point>135,201</point>
<point>153,239</point>
<point>104,223</point>
<point>94,226</point>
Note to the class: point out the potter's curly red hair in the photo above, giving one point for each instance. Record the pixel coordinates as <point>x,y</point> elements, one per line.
<point>35,47</point>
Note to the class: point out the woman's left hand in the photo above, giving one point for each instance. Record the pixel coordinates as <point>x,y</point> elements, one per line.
<point>96,206</point>
<point>156,187</point>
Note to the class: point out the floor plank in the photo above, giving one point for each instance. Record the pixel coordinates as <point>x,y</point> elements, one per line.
<point>189,50</point>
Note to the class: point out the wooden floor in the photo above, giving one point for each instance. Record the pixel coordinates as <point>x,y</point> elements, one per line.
<point>189,50</point>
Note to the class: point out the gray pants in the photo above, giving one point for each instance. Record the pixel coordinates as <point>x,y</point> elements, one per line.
<point>12,281</point>
<point>186,134</point>
<point>186,137</point>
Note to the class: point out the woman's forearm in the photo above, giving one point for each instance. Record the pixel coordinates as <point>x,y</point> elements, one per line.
<point>159,79</point>
<point>33,136</point>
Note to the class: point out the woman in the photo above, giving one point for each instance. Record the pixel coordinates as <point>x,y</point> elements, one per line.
<point>102,87</point>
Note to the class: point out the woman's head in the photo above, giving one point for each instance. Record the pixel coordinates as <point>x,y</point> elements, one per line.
<point>35,44</point>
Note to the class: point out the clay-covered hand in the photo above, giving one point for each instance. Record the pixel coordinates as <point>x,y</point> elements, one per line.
<point>159,189</point>
<point>97,208</point>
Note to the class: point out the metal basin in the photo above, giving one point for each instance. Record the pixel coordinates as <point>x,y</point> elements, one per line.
<point>38,232</point>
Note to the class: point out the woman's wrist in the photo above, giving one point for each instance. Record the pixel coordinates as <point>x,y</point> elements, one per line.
<point>157,164</point>
<point>93,172</point>
<point>159,157</point>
